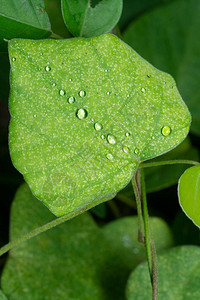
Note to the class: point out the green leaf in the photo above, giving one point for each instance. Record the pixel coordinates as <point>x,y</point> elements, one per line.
<point>84,20</point>
<point>85,112</point>
<point>2,296</point>
<point>122,235</point>
<point>165,39</point>
<point>189,193</point>
<point>24,19</point>
<point>158,178</point>
<point>179,275</point>
<point>70,260</point>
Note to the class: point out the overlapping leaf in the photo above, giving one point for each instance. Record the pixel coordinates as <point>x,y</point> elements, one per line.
<point>179,276</point>
<point>24,19</point>
<point>85,112</point>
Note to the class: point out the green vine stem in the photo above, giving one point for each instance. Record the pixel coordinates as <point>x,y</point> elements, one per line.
<point>149,243</point>
<point>45,227</point>
<point>169,162</point>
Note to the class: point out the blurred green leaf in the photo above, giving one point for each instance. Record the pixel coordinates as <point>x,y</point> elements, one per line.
<point>132,9</point>
<point>70,260</point>
<point>167,37</point>
<point>84,20</point>
<point>2,296</point>
<point>53,9</point>
<point>122,235</point>
<point>84,113</point>
<point>158,178</point>
<point>189,193</point>
<point>179,276</point>
<point>24,19</point>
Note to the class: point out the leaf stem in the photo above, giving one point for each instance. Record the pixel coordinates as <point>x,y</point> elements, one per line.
<point>139,206</point>
<point>169,162</point>
<point>46,227</point>
<point>149,243</point>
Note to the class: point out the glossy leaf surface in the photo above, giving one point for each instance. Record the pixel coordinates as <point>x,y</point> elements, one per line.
<point>179,276</point>
<point>24,19</point>
<point>189,193</point>
<point>85,112</point>
<point>84,20</point>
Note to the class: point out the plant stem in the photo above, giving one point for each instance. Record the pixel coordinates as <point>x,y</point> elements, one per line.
<point>149,243</point>
<point>55,36</point>
<point>45,227</point>
<point>169,162</point>
<point>139,207</point>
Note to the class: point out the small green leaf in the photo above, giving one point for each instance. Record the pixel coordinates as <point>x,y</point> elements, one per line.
<point>179,276</point>
<point>84,20</point>
<point>161,35</point>
<point>85,112</point>
<point>122,235</point>
<point>189,193</point>
<point>70,260</point>
<point>24,19</point>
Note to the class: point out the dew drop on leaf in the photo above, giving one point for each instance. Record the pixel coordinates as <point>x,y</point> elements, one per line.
<point>13,59</point>
<point>61,92</point>
<point>111,139</point>
<point>35,116</point>
<point>127,134</point>
<point>71,100</point>
<point>82,94</point>
<point>126,149</point>
<point>103,136</point>
<point>48,68</point>
<point>109,156</point>
<point>98,126</point>
<point>143,90</point>
<point>136,151</point>
<point>166,130</point>
<point>81,113</point>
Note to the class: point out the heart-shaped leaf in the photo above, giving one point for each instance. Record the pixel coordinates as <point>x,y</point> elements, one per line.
<point>169,42</point>
<point>179,276</point>
<point>84,20</point>
<point>25,19</point>
<point>85,112</point>
<point>189,193</point>
<point>71,261</point>
<point>122,234</point>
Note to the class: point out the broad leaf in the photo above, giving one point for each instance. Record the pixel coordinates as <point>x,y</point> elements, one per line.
<point>167,37</point>
<point>84,20</point>
<point>189,193</point>
<point>122,235</point>
<point>70,260</point>
<point>179,276</point>
<point>85,112</point>
<point>24,19</point>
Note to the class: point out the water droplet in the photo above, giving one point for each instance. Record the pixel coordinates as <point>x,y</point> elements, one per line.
<point>127,134</point>
<point>71,100</point>
<point>109,156</point>
<point>98,126</point>
<point>81,113</point>
<point>70,79</point>
<point>164,82</point>
<point>148,75</point>
<point>92,119</point>
<point>166,130</point>
<point>35,116</point>
<point>108,93</point>
<point>61,92</point>
<point>111,139</point>
<point>53,84</point>
<point>103,136</point>
<point>136,151</point>
<point>13,59</point>
<point>143,90</point>
<point>153,137</point>
<point>127,95</point>
<point>82,94</point>
<point>126,149</point>
<point>47,68</point>
<point>106,70</point>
